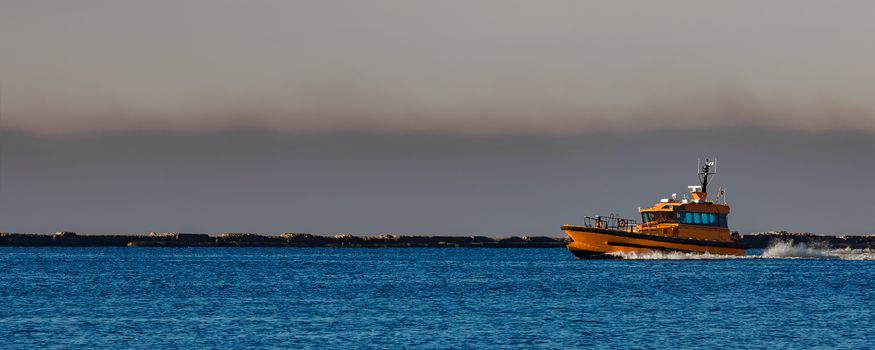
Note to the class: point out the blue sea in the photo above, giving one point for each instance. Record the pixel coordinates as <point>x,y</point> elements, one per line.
<point>324,298</point>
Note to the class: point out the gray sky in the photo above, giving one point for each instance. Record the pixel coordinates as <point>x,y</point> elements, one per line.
<point>473,67</point>
<point>430,117</point>
<point>254,181</point>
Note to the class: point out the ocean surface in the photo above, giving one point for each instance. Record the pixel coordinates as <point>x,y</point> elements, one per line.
<point>177,298</point>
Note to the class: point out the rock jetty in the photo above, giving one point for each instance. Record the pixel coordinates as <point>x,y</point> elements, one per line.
<point>764,239</point>
<point>243,239</point>
<point>292,239</point>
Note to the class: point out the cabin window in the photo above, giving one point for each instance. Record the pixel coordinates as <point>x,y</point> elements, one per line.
<point>709,219</point>
<point>659,217</point>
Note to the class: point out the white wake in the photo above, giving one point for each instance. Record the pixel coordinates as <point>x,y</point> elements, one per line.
<point>665,255</point>
<point>777,250</point>
<point>786,249</point>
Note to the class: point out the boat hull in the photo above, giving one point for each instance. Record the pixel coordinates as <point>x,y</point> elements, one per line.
<point>595,243</point>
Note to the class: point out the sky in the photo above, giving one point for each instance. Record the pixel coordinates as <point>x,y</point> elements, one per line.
<point>442,117</point>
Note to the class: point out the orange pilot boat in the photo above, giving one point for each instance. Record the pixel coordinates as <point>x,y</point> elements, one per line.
<point>695,225</point>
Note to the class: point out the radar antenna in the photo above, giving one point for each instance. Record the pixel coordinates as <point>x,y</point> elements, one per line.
<point>707,172</point>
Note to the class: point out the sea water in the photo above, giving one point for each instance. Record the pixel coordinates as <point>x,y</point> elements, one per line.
<point>176,298</point>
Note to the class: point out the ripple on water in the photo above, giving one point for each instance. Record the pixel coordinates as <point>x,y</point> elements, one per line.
<point>159,298</point>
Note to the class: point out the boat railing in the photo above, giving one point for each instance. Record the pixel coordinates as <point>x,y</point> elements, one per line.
<point>610,222</point>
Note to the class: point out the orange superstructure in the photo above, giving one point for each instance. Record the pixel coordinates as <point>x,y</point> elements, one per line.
<point>687,225</point>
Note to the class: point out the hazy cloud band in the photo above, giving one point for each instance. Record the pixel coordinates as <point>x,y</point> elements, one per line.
<point>467,67</point>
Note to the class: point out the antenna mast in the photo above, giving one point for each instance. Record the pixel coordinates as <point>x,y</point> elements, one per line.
<point>707,172</point>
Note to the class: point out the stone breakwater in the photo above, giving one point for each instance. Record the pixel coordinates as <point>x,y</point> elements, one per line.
<point>71,239</point>
<point>765,239</point>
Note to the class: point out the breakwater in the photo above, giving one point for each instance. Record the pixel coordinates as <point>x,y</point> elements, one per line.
<point>765,239</point>
<point>72,239</point>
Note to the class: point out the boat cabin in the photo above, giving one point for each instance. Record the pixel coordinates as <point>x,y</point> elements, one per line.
<point>699,217</point>
<point>704,215</point>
